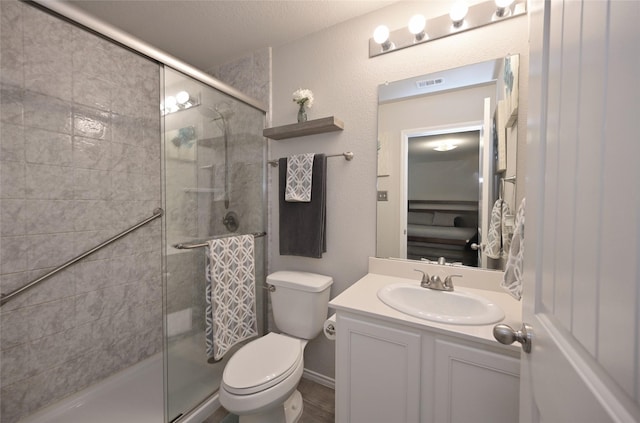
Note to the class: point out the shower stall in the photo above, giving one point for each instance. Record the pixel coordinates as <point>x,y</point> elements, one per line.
<point>97,132</point>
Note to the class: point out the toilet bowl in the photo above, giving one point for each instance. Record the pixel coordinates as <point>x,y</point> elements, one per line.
<point>261,376</point>
<point>259,381</point>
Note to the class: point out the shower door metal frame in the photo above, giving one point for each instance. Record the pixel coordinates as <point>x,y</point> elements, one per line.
<point>80,17</point>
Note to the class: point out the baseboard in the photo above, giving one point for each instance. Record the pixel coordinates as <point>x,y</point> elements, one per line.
<point>319,378</point>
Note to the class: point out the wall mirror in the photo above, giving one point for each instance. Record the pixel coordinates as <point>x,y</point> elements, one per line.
<point>446,178</point>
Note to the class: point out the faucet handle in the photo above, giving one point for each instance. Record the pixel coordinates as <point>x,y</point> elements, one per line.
<point>424,282</point>
<point>448,282</point>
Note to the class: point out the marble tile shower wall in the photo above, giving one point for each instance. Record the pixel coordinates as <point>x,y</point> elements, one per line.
<point>79,162</point>
<point>250,74</point>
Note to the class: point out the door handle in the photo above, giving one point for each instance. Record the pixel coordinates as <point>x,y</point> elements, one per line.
<point>505,334</point>
<point>475,246</point>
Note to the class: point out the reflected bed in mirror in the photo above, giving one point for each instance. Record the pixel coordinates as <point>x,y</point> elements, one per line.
<point>446,143</point>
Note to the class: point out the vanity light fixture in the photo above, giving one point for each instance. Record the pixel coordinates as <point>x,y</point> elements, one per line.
<point>503,8</point>
<point>170,105</point>
<point>181,101</point>
<point>184,99</point>
<point>381,36</point>
<point>458,12</point>
<point>416,26</point>
<point>461,18</point>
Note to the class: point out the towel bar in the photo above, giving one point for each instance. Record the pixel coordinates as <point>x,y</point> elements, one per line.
<point>204,244</point>
<point>348,156</point>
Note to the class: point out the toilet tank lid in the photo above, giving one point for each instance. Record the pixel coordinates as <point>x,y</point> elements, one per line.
<point>303,281</point>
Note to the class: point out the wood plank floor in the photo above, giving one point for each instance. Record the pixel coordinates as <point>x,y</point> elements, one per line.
<point>319,404</point>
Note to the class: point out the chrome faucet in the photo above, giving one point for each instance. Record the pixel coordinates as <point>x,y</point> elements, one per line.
<point>425,281</point>
<point>435,282</point>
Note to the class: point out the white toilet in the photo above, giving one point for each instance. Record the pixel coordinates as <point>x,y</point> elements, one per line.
<point>259,381</point>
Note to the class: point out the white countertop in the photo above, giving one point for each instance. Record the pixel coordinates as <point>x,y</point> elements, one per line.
<point>361,298</point>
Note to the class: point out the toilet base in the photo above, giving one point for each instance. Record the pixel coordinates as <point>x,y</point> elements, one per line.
<point>293,407</point>
<point>289,413</point>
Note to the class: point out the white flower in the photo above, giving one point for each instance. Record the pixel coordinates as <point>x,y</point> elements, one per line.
<point>304,97</point>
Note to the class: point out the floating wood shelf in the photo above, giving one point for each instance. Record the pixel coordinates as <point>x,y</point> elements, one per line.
<point>310,127</point>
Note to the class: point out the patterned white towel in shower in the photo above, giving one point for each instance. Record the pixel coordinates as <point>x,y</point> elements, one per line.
<point>299,178</point>
<point>230,294</point>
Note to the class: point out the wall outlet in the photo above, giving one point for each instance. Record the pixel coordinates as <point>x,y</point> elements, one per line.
<point>382,196</point>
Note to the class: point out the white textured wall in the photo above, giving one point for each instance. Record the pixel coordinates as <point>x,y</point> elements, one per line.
<point>335,65</point>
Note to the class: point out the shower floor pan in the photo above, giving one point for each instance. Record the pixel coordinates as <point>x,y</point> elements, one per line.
<point>136,394</point>
<point>133,395</point>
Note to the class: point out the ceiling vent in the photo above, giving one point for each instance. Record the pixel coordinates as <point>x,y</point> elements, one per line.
<point>426,83</point>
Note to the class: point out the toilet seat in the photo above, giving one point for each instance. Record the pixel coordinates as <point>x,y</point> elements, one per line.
<point>262,363</point>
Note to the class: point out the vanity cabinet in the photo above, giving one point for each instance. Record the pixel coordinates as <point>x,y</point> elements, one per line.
<point>377,377</point>
<point>388,372</point>
<point>473,384</point>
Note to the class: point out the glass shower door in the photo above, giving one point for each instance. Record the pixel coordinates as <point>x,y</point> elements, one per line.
<point>214,176</point>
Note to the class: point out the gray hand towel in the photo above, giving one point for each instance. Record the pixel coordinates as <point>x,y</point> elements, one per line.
<point>303,225</point>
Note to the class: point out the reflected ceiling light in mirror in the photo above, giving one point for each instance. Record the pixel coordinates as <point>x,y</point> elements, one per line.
<point>445,146</point>
<point>462,18</point>
<point>458,12</point>
<point>381,36</point>
<point>416,26</point>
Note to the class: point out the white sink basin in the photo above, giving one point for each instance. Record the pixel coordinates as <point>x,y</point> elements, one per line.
<point>454,307</point>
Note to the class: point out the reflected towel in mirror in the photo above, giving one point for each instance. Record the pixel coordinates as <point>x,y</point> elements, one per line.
<point>498,236</point>
<point>513,274</point>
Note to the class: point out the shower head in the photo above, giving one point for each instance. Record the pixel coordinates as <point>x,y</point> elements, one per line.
<point>209,112</point>
<point>218,112</point>
<point>224,109</point>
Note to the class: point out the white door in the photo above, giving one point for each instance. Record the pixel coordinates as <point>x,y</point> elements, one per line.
<point>582,259</point>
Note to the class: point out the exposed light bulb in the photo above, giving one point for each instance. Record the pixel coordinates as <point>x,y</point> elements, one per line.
<point>417,24</point>
<point>503,8</point>
<point>504,3</point>
<point>170,102</point>
<point>182,97</point>
<point>381,34</point>
<point>458,12</point>
<point>170,105</point>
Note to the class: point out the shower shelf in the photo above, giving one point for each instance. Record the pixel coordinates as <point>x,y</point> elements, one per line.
<point>310,127</point>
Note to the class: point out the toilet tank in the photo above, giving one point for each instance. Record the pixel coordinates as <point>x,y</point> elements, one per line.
<point>299,301</point>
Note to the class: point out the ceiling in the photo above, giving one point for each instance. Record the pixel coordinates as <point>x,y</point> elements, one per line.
<point>208,33</point>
